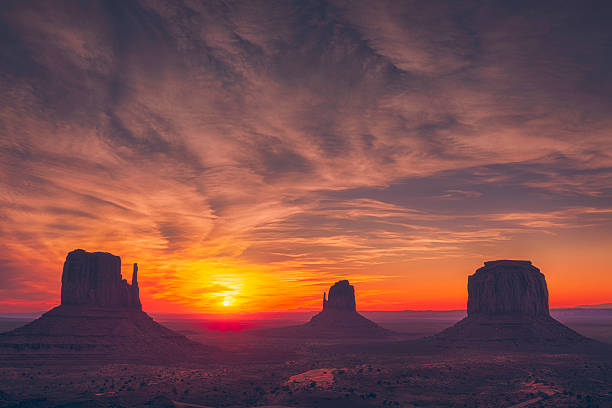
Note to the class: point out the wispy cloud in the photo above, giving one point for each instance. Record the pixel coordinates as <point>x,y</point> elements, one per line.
<point>260,150</point>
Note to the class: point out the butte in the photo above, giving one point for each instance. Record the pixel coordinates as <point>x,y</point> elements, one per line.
<point>338,319</point>
<point>100,318</point>
<point>508,304</point>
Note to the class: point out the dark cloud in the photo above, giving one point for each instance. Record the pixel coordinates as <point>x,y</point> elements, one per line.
<point>548,184</point>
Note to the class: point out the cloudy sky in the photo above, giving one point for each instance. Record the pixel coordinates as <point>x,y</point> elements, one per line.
<point>258,151</point>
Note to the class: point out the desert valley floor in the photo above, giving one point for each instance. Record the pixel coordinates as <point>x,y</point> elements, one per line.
<point>246,369</point>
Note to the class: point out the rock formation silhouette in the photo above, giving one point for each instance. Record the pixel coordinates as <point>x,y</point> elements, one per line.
<point>94,278</point>
<point>338,318</point>
<point>341,297</point>
<point>508,302</point>
<point>100,318</point>
<point>502,287</point>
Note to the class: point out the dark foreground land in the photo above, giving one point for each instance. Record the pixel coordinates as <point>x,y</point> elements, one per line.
<point>249,370</point>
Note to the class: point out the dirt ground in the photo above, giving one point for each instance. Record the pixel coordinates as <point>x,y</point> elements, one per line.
<point>248,370</point>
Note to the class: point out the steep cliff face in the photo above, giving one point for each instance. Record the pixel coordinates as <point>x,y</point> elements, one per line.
<point>507,287</point>
<point>341,297</point>
<point>94,278</point>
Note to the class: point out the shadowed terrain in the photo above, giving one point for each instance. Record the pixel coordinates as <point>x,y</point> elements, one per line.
<point>478,362</point>
<point>291,372</point>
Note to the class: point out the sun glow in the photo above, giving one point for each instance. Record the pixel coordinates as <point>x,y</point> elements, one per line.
<point>226,302</point>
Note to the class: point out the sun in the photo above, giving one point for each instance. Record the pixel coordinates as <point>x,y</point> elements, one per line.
<point>226,302</point>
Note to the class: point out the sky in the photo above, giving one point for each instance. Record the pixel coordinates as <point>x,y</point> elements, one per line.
<point>248,154</point>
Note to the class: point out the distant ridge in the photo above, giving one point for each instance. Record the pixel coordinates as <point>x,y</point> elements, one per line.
<point>600,306</point>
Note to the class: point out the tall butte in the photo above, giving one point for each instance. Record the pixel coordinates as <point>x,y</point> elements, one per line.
<point>94,278</point>
<point>508,303</point>
<point>100,317</point>
<point>338,318</point>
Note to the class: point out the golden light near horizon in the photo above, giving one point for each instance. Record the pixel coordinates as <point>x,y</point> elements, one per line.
<point>406,172</point>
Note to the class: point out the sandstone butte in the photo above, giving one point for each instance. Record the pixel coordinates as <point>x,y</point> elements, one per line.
<point>100,318</point>
<point>338,319</point>
<point>508,302</point>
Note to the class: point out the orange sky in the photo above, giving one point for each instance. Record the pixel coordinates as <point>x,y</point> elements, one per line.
<point>254,156</point>
<point>186,284</point>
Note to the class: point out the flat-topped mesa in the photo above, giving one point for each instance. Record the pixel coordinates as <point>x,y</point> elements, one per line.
<point>507,287</point>
<point>508,307</point>
<point>94,278</point>
<point>341,297</point>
